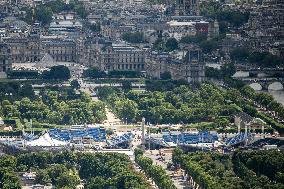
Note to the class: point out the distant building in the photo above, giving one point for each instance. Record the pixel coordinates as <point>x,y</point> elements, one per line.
<point>65,23</point>
<point>213,29</point>
<point>266,27</point>
<point>242,120</point>
<point>65,26</point>
<point>188,66</point>
<point>5,59</point>
<point>46,62</point>
<point>24,49</point>
<point>115,30</point>
<point>121,57</point>
<point>88,50</point>
<point>179,29</point>
<point>18,48</point>
<point>195,66</point>
<point>231,41</point>
<point>187,7</point>
<point>61,50</point>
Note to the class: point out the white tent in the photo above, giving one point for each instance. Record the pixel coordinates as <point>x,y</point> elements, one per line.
<point>46,140</point>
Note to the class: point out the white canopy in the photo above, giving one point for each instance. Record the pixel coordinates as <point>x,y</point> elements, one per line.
<point>46,140</point>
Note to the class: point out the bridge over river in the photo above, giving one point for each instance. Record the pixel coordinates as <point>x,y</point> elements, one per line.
<point>259,71</point>
<point>259,84</point>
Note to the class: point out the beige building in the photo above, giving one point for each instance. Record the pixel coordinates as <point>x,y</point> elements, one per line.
<point>189,67</point>
<point>60,50</point>
<point>24,49</point>
<point>33,48</point>
<point>5,59</point>
<point>121,57</point>
<point>89,51</point>
<point>213,29</point>
<point>115,31</point>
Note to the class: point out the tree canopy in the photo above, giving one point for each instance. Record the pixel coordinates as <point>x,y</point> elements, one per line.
<point>171,44</point>
<point>54,107</point>
<point>136,37</point>
<point>207,45</point>
<point>181,104</point>
<point>43,12</point>
<point>65,169</point>
<point>242,170</point>
<point>214,9</point>
<point>261,59</point>
<point>57,72</point>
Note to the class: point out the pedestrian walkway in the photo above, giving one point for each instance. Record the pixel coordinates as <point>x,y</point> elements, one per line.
<point>177,176</point>
<point>138,169</point>
<point>111,118</point>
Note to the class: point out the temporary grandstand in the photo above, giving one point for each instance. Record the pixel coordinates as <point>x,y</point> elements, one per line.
<point>96,134</point>
<point>172,139</point>
<point>117,140</point>
<point>46,141</point>
<point>241,138</point>
<point>90,135</point>
<point>75,136</point>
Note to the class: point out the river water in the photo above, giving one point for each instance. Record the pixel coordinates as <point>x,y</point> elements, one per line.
<point>278,95</point>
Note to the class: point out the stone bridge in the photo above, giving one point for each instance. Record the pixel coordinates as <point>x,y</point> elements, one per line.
<point>262,71</point>
<point>265,83</point>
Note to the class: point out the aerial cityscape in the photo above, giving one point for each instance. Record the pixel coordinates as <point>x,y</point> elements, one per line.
<point>141,94</point>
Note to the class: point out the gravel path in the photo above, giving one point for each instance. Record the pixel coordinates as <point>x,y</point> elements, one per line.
<point>177,177</point>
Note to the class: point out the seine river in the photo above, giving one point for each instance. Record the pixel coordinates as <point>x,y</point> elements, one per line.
<point>278,95</point>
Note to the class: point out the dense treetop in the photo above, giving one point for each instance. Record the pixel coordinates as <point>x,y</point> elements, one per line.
<point>261,59</point>
<point>65,169</point>
<point>54,107</point>
<point>136,37</point>
<point>172,102</point>
<point>44,12</point>
<point>182,104</point>
<point>257,169</point>
<point>57,72</point>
